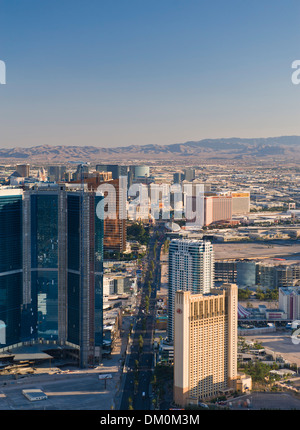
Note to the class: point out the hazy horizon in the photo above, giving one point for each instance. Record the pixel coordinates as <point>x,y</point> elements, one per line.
<point>164,144</point>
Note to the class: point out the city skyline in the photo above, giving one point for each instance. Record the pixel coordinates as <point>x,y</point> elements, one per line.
<point>149,207</point>
<point>147,73</point>
<point>124,330</point>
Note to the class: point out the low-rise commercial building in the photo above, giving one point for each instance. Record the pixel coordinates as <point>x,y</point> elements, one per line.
<point>289,302</point>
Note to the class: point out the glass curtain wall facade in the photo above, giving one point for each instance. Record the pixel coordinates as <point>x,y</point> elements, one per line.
<point>73,275</point>
<point>98,262</point>
<point>10,266</point>
<point>51,268</point>
<point>85,274</point>
<point>44,264</point>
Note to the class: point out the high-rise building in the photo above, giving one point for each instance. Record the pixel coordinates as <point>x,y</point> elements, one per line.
<point>246,273</point>
<point>205,344</point>
<point>85,274</point>
<point>101,167</point>
<point>289,302</point>
<point>189,174</point>
<point>273,274</point>
<point>217,208</point>
<point>56,173</point>
<point>82,171</point>
<point>268,273</point>
<point>226,271</point>
<point>141,172</point>
<point>210,208</point>
<point>178,177</point>
<point>130,176</point>
<point>117,170</point>
<point>191,268</point>
<point>10,265</point>
<point>240,203</point>
<point>23,170</point>
<point>62,268</point>
<point>43,291</point>
<point>115,227</point>
<point>92,179</point>
<point>42,176</point>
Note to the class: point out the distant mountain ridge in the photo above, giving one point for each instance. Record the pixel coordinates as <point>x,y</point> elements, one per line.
<point>283,147</point>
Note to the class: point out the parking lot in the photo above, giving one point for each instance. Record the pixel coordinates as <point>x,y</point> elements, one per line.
<point>280,343</point>
<point>269,401</point>
<point>82,391</point>
<point>69,389</point>
<point>254,250</point>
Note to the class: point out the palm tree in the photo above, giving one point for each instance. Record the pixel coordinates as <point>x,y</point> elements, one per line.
<point>141,342</point>
<point>130,407</point>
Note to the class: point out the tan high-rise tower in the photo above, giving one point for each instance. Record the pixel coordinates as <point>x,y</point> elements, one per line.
<point>205,344</point>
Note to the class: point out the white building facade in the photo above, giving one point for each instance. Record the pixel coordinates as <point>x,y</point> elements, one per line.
<point>191,268</point>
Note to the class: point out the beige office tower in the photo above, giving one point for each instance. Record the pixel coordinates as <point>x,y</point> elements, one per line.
<point>205,344</point>
<point>240,203</point>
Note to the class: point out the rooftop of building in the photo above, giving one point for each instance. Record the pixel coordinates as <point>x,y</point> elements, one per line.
<point>286,291</point>
<point>195,242</point>
<point>10,191</point>
<point>279,262</point>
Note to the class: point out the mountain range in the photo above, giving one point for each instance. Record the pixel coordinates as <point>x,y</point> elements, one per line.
<point>235,149</point>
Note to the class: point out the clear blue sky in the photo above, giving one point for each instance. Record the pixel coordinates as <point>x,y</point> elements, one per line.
<point>121,72</point>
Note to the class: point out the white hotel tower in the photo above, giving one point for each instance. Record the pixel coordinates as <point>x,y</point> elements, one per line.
<point>191,268</point>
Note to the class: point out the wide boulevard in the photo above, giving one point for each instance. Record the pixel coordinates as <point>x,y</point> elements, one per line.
<point>138,369</point>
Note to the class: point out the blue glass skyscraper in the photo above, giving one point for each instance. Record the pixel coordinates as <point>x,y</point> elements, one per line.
<point>85,274</point>
<point>63,268</point>
<point>10,266</point>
